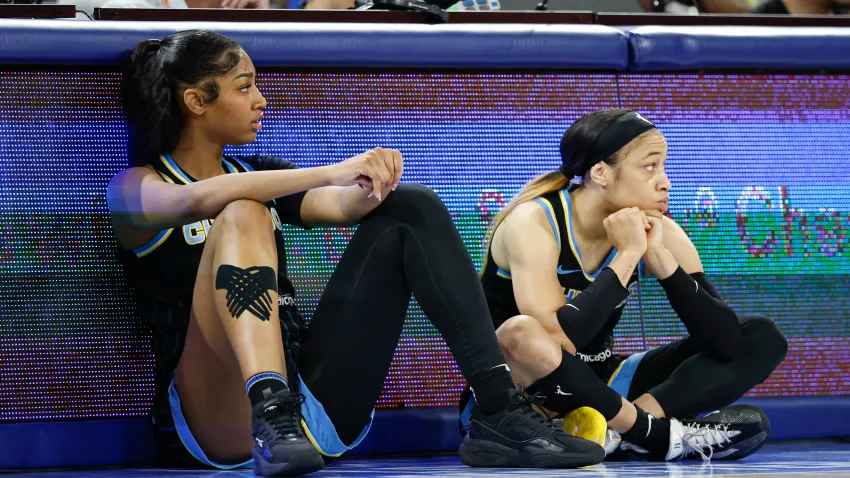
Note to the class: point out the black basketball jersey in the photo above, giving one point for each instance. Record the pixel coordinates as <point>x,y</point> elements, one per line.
<point>498,287</point>
<point>163,271</point>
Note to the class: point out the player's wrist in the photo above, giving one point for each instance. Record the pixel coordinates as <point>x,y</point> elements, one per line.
<point>629,256</point>
<point>660,262</point>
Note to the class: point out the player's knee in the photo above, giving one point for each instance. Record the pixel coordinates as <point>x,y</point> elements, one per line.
<point>415,194</point>
<point>415,202</point>
<point>761,334</point>
<point>243,216</point>
<point>515,332</point>
<point>522,336</point>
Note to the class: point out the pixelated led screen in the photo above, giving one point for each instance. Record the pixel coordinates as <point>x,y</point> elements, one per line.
<point>759,164</point>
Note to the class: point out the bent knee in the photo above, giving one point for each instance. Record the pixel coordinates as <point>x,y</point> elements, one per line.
<point>524,335</point>
<point>415,193</point>
<point>762,334</point>
<point>409,198</point>
<point>517,328</point>
<point>244,215</point>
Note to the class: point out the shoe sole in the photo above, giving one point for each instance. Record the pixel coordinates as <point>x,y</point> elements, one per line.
<point>489,454</point>
<point>761,437</point>
<point>297,465</point>
<point>587,423</point>
<point>755,449</point>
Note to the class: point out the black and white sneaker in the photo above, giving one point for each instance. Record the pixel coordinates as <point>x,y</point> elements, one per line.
<point>519,436</point>
<point>280,446</point>
<point>730,433</point>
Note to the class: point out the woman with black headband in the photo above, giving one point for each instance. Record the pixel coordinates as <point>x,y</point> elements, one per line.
<point>562,260</point>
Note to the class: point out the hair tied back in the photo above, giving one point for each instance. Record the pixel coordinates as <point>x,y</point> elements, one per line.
<point>152,46</point>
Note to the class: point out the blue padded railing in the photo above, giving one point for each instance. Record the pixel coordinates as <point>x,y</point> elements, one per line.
<point>50,42</point>
<point>689,48</point>
<point>496,46</point>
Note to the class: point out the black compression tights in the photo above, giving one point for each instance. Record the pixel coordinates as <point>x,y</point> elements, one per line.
<point>683,379</point>
<point>408,244</point>
<point>686,381</point>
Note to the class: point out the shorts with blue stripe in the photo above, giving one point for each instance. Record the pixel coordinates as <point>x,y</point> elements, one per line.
<point>317,426</point>
<point>621,379</point>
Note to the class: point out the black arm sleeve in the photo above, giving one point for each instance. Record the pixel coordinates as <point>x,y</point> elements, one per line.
<point>288,207</point>
<point>584,316</point>
<point>706,284</point>
<point>710,321</point>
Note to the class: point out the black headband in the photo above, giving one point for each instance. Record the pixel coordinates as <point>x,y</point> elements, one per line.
<point>617,134</point>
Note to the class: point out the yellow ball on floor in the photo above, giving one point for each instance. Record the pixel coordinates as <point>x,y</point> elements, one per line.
<point>587,423</point>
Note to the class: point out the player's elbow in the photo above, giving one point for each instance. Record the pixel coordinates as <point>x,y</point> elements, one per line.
<point>570,323</point>
<point>564,340</point>
<point>194,205</point>
<point>568,345</point>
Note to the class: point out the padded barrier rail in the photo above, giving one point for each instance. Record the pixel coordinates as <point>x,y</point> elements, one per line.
<point>64,42</point>
<point>491,46</point>
<point>690,48</point>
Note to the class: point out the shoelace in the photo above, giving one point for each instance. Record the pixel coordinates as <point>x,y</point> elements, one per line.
<point>284,415</point>
<point>525,402</point>
<point>696,438</point>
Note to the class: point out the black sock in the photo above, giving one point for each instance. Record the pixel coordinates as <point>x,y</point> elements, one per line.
<point>263,386</point>
<point>574,384</point>
<point>490,389</point>
<point>650,433</point>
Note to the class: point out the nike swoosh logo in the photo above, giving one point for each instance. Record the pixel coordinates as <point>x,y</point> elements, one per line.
<point>562,271</point>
